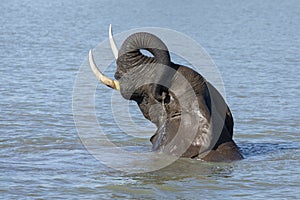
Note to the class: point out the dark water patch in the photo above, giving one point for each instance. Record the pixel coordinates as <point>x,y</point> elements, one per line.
<point>263,149</point>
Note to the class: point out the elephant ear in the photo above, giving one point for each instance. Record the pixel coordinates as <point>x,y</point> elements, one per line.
<point>131,58</point>
<point>221,117</point>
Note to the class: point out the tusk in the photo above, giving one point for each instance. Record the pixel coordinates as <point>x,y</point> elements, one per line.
<point>100,76</point>
<point>113,45</point>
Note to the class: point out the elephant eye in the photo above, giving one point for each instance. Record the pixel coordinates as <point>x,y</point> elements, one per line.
<point>167,99</point>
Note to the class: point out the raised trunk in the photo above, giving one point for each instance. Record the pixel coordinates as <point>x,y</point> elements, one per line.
<point>130,50</point>
<point>131,57</point>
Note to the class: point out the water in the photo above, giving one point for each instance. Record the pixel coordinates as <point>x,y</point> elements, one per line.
<point>255,45</point>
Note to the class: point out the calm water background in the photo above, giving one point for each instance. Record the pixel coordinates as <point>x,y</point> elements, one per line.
<point>255,45</point>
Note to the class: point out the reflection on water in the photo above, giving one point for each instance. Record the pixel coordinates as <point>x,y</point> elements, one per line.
<point>255,44</point>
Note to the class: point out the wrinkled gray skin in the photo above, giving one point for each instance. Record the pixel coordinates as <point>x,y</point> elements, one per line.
<point>191,117</point>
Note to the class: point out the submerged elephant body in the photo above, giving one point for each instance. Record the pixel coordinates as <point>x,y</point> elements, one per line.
<point>191,116</point>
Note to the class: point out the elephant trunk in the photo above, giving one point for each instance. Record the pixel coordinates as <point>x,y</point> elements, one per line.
<point>130,50</point>
<point>131,57</point>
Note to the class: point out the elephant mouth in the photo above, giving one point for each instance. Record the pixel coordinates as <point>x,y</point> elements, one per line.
<point>176,115</point>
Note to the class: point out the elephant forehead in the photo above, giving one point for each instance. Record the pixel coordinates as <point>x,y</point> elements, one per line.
<point>142,75</point>
<point>186,79</point>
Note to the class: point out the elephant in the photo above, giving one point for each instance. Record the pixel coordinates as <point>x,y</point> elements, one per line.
<point>191,116</point>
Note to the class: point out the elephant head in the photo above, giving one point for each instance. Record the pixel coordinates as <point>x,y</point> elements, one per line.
<point>191,116</point>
